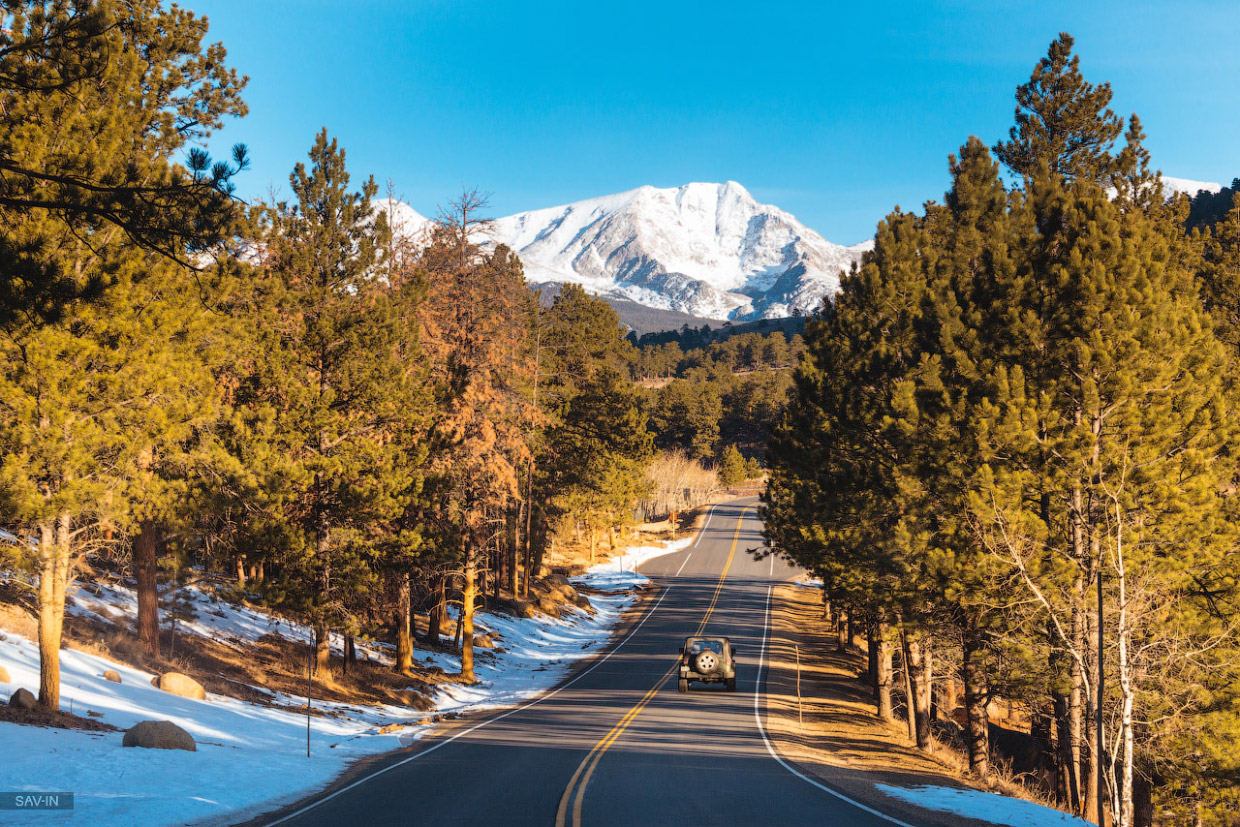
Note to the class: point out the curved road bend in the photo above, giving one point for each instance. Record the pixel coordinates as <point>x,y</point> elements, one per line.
<point>617,744</point>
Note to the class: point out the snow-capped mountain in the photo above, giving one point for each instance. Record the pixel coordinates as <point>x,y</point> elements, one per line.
<point>1173,185</point>
<point>709,250</point>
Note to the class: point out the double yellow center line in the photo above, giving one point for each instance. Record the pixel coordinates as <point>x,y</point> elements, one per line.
<point>575,792</point>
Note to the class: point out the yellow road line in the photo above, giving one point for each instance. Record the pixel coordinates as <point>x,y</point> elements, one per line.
<point>586,768</point>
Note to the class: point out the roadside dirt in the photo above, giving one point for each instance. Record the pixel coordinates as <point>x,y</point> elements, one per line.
<point>840,743</point>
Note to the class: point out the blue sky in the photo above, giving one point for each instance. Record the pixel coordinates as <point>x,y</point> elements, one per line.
<point>835,112</point>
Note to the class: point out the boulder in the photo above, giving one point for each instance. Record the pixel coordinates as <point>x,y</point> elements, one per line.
<point>564,593</point>
<point>4,675</point>
<point>556,580</point>
<point>177,684</point>
<point>484,641</point>
<point>549,606</point>
<point>522,608</point>
<point>23,699</point>
<point>111,675</point>
<point>158,735</point>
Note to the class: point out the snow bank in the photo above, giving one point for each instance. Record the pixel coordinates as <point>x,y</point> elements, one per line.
<point>997,809</point>
<point>252,758</point>
<point>621,572</point>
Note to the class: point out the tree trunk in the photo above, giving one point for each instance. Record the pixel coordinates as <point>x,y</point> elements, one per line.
<point>1069,779</point>
<point>54,564</point>
<point>322,648</point>
<point>919,673</point>
<point>1122,804</point>
<point>1086,743</point>
<point>145,565</point>
<point>910,712</point>
<point>435,619</point>
<point>841,631</point>
<point>241,571</point>
<point>976,703</point>
<point>871,657</point>
<point>467,617</point>
<point>883,673</point>
<point>514,548</point>
<point>404,631</point>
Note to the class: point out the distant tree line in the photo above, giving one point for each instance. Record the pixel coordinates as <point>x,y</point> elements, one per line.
<point>723,396</point>
<point>1013,436</point>
<point>1206,209</point>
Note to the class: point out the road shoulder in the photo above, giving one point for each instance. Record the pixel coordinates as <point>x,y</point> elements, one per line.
<point>841,743</point>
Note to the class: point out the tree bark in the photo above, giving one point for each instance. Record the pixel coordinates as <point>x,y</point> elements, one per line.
<point>322,648</point>
<point>467,617</point>
<point>910,712</point>
<point>145,564</point>
<point>883,673</point>
<point>54,564</point>
<point>976,703</point>
<point>435,618</point>
<point>404,631</point>
<point>841,631</point>
<point>514,548</point>
<point>919,663</point>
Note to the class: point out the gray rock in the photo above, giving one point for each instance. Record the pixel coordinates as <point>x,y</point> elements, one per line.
<point>158,735</point>
<point>23,699</point>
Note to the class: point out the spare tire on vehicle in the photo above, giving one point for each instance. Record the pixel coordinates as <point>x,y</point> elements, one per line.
<point>706,662</point>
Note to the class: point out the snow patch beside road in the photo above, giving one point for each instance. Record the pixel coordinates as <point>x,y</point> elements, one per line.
<point>997,809</point>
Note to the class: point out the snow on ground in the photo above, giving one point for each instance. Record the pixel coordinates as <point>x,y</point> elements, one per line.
<point>204,613</point>
<point>997,809</point>
<point>252,758</point>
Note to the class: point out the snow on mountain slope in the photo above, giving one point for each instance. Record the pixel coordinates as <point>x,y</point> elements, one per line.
<point>709,250</point>
<point>1173,185</point>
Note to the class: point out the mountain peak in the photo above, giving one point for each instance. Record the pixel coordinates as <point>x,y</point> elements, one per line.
<point>708,249</point>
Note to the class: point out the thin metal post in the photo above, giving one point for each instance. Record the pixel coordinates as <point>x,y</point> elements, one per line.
<point>309,690</point>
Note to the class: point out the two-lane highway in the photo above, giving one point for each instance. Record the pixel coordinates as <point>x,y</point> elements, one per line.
<point>616,743</point>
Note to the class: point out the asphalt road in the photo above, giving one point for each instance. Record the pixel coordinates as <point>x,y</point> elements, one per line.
<point>617,744</point>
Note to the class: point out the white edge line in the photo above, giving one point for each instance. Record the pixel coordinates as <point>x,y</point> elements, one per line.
<point>503,715</point>
<point>757,714</point>
<point>706,524</point>
<point>682,565</point>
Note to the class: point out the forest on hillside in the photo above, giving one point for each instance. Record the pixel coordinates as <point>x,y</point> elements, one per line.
<point>1011,454</point>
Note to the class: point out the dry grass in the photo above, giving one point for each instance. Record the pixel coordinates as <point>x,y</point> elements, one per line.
<point>840,728</point>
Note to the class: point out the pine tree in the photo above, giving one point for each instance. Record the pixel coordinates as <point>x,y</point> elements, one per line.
<point>99,96</point>
<point>475,333</point>
<point>1062,121</point>
<point>85,402</point>
<point>732,468</point>
<point>329,386</point>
